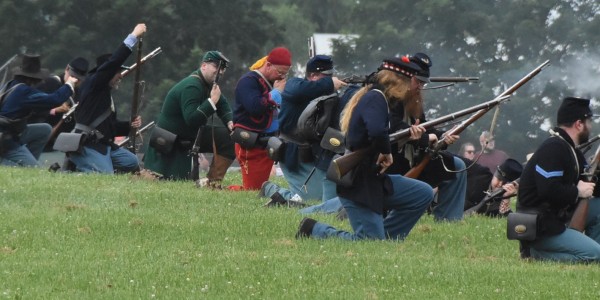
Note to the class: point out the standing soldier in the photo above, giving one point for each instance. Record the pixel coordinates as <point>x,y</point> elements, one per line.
<point>186,110</point>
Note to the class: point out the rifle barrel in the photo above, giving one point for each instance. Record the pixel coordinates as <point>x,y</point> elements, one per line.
<point>453,79</point>
<point>150,55</point>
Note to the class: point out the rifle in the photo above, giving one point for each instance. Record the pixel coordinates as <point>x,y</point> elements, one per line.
<point>133,67</point>
<point>416,170</point>
<point>6,64</point>
<point>195,172</point>
<point>64,118</point>
<point>489,197</point>
<point>344,164</point>
<point>581,211</point>
<point>139,132</point>
<point>585,147</point>
<point>358,79</point>
<point>136,95</point>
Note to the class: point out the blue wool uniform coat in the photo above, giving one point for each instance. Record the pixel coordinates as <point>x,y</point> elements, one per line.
<point>369,126</point>
<point>95,98</point>
<point>254,108</point>
<point>549,183</point>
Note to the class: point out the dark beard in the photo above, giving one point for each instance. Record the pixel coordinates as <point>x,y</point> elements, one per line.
<point>584,137</point>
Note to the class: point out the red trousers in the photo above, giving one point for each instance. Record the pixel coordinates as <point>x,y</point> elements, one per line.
<point>255,166</point>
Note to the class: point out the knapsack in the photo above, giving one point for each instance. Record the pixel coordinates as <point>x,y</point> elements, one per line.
<point>319,114</point>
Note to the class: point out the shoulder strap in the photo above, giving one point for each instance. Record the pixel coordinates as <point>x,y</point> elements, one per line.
<point>4,93</point>
<point>265,79</point>
<point>556,134</point>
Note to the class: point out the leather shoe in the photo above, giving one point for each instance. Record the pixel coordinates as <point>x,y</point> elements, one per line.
<point>305,228</point>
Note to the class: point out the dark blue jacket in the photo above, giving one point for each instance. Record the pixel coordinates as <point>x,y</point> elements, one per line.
<point>297,94</point>
<point>24,100</point>
<point>95,97</point>
<point>254,108</point>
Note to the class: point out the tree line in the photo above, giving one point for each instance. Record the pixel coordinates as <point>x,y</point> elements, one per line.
<point>497,41</point>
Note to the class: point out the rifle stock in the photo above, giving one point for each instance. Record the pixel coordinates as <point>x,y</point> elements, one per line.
<point>65,116</point>
<point>580,214</point>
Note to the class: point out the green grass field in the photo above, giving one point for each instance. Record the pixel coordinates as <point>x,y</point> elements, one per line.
<point>74,236</point>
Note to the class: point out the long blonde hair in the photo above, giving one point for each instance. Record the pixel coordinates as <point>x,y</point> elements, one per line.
<point>396,88</point>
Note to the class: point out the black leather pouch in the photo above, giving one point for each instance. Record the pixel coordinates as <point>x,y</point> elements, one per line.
<point>275,148</point>
<point>69,142</point>
<point>522,226</point>
<point>162,140</point>
<point>333,140</point>
<point>246,138</point>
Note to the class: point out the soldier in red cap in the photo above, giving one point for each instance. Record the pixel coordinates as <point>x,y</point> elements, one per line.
<point>255,116</point>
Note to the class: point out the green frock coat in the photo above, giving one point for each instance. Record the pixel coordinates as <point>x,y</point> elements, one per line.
<point>186,108</point>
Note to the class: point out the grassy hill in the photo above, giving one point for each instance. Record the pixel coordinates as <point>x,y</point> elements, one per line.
<point>75,236</point>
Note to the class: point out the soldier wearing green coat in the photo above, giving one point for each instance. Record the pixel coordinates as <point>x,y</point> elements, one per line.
<point>188,107</point>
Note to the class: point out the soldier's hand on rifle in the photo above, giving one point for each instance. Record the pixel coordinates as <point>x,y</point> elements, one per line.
<point>585,189</point>
<point>215,94</point>
<point>230,126</point>
<point>384,161</point>
<point>279,84</point>
<point>416,131</point>
<point>63,108</point>
<point>510,189</point>
<point>337,83</point>
<point>451,139</point>
<point>139,30</point>
<point>137,122</point>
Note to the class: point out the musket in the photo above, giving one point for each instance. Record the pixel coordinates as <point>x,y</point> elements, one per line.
<point>440,144</point>
<point>580,214</point>
<point>342,165</point>
<point>136,95</point>
<point>139,132</point>
<point>6,64</point>
<point>195,151</point>
<point>358,79</point>
<point>62,120</point>
<point>585,147</point>
<point>133,67</point>
<point>489,197</point>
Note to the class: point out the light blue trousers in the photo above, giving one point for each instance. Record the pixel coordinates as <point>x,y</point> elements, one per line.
<point>408,203</point>
<point>572,245</point>
<point>90,160</point>
<point>28,151</point>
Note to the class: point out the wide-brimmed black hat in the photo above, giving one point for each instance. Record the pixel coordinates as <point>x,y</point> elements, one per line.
<point>100,60</point>
<point>31,66</point>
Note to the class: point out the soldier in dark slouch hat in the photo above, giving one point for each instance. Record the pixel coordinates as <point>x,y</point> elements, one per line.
<point>552,186</point>
<point>20,143</point>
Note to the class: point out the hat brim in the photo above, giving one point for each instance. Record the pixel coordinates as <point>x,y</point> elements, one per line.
<point>328,72</point>
<point>41,74</point>
<point>423,78</point>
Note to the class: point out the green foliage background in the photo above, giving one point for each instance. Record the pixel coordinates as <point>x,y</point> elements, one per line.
<point>498,41</point>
